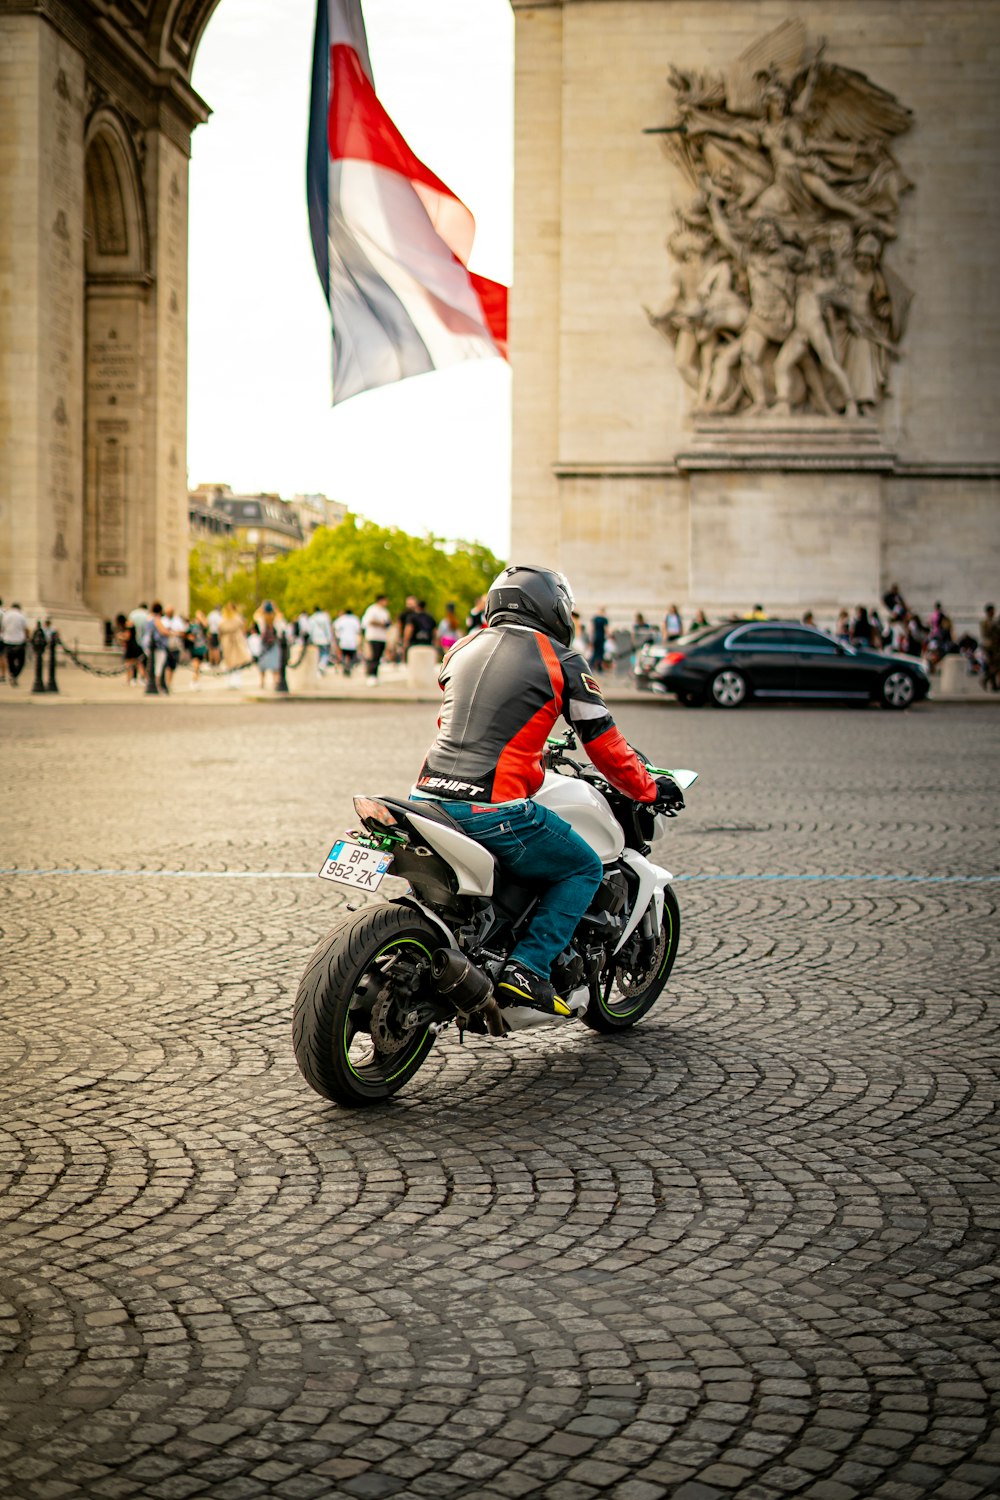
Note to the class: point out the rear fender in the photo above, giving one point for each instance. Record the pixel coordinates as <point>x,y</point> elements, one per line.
<point>425,911</point>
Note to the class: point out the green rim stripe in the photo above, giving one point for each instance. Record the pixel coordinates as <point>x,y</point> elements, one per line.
<point>347,1016</point>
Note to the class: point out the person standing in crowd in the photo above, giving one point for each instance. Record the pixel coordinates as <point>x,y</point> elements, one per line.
<point>842,629</point>
<point>197,644</point>
<point>375,624</point>
<point>421,628</point>
<point>579,635</point>
<point>642,632</point>
<point>347,629</point>
<point>138,618</point>
<point>3,649</point>
<point>233,643</point>
<point>448,630</point>
<point>155,640</point>
<point>319,632</point>
<point>403,621</point>
<point>899,635</point>
<point>131,649</point>
<point>14,635</point>
<point>879,634</point>
<point>860,628</point>
<point>989,645</point>
<point>175,629</point>
<point>598,639</point>
<point>673,625</point>
<point>894,602</point>
<point>214,649</point>
<point>940,641</point>
<point>476,618</point>
<point>269,658</point>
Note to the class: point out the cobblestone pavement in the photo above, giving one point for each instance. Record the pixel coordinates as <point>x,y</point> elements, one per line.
<point>748,1249</point>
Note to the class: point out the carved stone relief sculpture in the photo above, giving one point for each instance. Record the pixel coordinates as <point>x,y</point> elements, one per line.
<point>780,298</point>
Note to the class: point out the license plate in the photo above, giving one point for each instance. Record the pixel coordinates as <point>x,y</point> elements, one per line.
<point>353,864</point>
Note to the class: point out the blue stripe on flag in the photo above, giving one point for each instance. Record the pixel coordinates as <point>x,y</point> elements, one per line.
<point>317,150</point>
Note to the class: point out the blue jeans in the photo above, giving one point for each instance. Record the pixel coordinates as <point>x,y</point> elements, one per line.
<point>534,843</point>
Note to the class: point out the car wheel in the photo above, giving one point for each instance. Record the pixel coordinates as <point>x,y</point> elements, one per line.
<point>898,690</point>
<point>729,688</point>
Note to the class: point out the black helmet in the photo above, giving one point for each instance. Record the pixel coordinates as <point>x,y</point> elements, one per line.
<point>537,597</point>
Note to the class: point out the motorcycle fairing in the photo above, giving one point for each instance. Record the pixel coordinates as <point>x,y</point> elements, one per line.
<point>474,866</point>
<point>586,812</point>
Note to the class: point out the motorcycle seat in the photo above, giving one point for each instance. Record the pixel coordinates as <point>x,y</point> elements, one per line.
<point>426,808</point>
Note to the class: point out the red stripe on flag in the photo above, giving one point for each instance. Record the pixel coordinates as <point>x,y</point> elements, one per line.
<point>359,127</point>
<point>493,300</point>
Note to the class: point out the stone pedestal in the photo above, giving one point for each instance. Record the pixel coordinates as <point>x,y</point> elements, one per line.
<point>422,668</point>
<point>786,444</point>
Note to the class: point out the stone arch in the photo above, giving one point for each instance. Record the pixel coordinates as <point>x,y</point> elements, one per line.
<point>115,236</point>
<point>175,28</point>
<point>117,283</point>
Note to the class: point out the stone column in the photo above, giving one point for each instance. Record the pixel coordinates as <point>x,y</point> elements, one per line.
<point>166,373</point>
<point>535,311</point>
<point>42,92</point>
<point>94,146</point>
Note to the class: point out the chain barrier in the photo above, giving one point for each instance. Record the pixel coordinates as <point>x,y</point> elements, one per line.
<point>214,671</point>
<point>85,666</point>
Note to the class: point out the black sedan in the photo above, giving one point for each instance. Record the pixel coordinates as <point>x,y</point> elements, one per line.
<point>729,664</point>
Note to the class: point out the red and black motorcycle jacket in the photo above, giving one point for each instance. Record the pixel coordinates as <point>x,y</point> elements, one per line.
<point>504,689</point>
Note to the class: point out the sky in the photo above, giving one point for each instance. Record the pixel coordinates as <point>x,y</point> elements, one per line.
<point>428,454</point>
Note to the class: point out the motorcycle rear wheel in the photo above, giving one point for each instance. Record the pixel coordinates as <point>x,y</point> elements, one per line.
<point>627,994</point>
<point>351,1040</point>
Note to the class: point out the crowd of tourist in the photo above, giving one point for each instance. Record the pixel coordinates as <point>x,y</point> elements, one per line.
<point>155,639</point>
<point>158,638</point>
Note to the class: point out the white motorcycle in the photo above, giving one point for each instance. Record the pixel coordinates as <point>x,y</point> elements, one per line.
<point>391,976</point>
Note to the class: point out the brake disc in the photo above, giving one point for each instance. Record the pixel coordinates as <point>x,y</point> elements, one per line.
<point>383,1012</point>
<point>633,979</point>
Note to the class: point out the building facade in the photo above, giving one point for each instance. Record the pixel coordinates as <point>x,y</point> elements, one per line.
<point>754,323</point>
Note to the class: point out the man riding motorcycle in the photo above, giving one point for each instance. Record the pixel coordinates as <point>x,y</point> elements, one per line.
<point>504,688</point>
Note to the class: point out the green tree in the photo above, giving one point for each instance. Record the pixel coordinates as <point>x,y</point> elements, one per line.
<point>348,566</point>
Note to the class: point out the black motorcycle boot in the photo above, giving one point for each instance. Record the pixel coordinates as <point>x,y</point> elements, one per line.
<point>519,985</point>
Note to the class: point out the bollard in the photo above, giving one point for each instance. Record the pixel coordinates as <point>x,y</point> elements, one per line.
<point>38,642</point>
<point>50,686</point>
<point>281,686</point>
<point>151,687</point>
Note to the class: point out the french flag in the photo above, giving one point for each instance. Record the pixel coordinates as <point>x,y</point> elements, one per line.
<point>391,241</point>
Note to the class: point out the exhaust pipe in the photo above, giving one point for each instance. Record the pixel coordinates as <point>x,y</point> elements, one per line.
<point>467,988</point>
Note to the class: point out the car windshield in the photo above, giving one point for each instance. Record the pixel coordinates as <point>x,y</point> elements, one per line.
<point>691,636</point>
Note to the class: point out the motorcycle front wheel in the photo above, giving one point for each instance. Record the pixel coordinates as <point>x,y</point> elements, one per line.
<point>353,1042</point>
<point>629,987</point>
